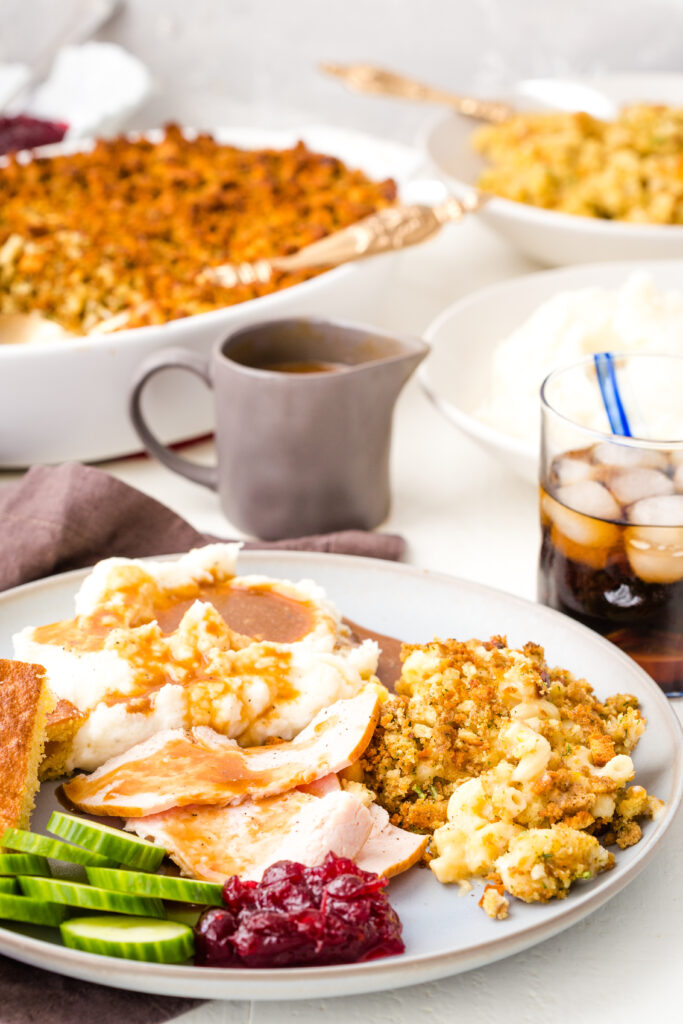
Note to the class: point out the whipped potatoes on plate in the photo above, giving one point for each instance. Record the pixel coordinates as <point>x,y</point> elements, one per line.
<point>636,317</point>
<point>182,643</point>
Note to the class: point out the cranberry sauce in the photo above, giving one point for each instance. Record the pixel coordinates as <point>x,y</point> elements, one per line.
<point>299,916</point>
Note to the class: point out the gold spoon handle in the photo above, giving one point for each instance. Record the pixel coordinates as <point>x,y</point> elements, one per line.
<point>368,78</point>
<point>394,228</point>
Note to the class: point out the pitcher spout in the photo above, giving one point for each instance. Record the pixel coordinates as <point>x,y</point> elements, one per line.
<point>392,371</point>
<point>415,351</point>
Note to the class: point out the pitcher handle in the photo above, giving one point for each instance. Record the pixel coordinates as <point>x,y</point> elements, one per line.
<point>178,358</point>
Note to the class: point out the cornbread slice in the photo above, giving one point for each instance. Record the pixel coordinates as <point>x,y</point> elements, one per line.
<point>63,723</point>
<point>25,701</point>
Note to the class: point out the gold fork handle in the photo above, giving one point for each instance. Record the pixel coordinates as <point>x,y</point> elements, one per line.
<point>368,78</point>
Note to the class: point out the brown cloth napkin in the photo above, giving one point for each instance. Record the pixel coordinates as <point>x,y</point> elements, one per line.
<point>31,996</point>
<point>64,517</point>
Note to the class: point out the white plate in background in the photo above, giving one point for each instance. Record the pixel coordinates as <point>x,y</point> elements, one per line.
<point>457,373</point>
<point>444,930</point>
<point>552,238</point>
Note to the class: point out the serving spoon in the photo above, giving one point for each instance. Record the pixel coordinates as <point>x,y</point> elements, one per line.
<point>553,94</point>
<point>371,79</point>
<point>391,229</point>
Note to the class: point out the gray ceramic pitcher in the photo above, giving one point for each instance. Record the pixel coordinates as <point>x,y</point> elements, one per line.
<point>303,423</point>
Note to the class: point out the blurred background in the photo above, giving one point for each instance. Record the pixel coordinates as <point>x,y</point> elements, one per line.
<point>254,61</point>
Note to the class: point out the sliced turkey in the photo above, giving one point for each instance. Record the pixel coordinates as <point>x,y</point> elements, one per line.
<point>178,767</point>
<point>212,843</point>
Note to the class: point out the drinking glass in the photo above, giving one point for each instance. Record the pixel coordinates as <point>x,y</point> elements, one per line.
<point>612,508</point>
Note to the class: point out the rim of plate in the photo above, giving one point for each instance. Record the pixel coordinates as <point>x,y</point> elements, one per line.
<point>267,303</point>
<point>376,974</point>
<point>511,209</point>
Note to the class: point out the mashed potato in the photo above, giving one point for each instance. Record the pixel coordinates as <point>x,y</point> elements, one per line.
<point>636,318</point>
<point>148,651</point>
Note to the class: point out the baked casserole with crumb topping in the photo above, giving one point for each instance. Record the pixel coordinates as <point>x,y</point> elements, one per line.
<point>517,769</point>
<point>128,226</point>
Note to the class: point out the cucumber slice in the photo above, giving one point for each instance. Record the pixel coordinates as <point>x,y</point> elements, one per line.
<point>9,885</point>
<point>30,842</point>
<point>76,894</point>
<point>20,908</point>
<point>134,938</point>
<point>110,842</point>
<point>186,913</point>
<point>23,864</point>
<point>166,887</point>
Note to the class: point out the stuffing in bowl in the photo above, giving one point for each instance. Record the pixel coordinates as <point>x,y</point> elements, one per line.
<point>587,171</point>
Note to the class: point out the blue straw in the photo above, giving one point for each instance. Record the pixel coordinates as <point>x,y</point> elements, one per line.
<point>609,389</point>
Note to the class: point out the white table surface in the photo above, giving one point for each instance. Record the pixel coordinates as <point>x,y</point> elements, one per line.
<point>464,514</point>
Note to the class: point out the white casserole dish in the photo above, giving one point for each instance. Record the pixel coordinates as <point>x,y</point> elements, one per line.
<point>556,239</point>
<point>68,400</point>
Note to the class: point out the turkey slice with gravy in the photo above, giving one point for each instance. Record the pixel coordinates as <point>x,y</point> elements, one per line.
<point>212,843</point>
<point>303,825</point>
<point>178,767</point>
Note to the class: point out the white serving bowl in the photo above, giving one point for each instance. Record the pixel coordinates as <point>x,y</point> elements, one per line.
<point>557,239</point>
<point>457,374</point>
<point>68,400</point>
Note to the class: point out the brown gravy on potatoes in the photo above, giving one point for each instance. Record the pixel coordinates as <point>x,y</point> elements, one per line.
<point>267,615</point>
<point>259,612</point>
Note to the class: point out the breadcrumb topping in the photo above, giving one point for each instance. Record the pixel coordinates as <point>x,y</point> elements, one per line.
<point>514,766</point>
<point>129,226</point>
<point>494,902</point>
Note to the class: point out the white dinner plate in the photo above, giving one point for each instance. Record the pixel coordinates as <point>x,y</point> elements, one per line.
<point>457,374</point>
<point>444,930</point>
<point>555,238</point>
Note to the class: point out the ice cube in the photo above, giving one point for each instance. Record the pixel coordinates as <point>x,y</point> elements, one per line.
<point>634,484</point>
<point>655,553</point>
<point>591,498</point>
<point>593,555</point>
<point>663,510</point>
<point>570,469</point>
<point>623,456</point>
<point>583,529</point>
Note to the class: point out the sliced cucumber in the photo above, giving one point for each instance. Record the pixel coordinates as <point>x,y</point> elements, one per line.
<point>134,938</point>
<point>9,885</point>
<point>186,913</point>
<point>75,894</point>
<point>20,908</point>
<point>166,887</point>
<point>23,864</point>
<point>110,842</point>
<point>30,842</point>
